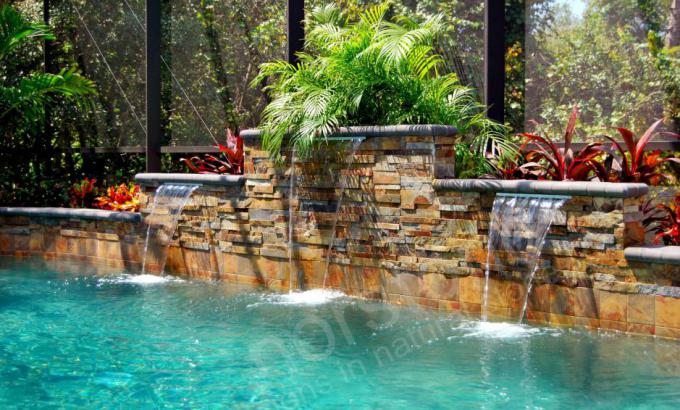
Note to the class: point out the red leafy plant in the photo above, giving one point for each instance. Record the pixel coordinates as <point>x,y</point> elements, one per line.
<point>231,161</point>
<point>664,221</point>
<point>540,158</point>
<point>635,163</point>
<point>82,193</point>
<point>121,198</point>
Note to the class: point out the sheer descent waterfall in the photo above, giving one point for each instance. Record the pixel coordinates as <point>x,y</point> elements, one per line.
<point>519,225</point>
<point>356,142</point>
<point>291,243</point>
<point>167,206</point>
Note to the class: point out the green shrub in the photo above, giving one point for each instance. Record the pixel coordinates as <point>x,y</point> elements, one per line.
<point>371,70</point>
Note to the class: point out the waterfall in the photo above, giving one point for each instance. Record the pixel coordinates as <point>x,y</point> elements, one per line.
<point>517,232</point>
<point>167,206</point>
<point>291,243</point>
<point>343,185</point>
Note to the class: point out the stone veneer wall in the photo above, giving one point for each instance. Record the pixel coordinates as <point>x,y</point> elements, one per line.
<point>402,236</point>
<point>406,238</point>
<point>111,239</point>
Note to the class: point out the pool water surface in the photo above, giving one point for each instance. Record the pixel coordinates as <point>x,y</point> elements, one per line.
<point>71,338</point>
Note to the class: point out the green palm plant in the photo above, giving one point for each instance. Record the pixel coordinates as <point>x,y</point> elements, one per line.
<point>373,70</point>
<point>23,98</point>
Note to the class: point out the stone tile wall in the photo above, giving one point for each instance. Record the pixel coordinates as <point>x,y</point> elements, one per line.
<point>397,239</point>
<point>111,243</point>
<point>400,240</point>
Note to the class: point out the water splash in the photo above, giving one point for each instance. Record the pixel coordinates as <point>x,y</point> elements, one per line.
<point>168,203</point>
<point>519,226</point>
<point>142,280</point>
<point>356,143</point>
<point>495,330</point>
<point>312,297</point>
<point>291,243</point>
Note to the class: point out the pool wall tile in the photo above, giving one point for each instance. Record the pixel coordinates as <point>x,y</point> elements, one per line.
<point>667,311</point>
<point>641,309</point>
<point>613,306</point>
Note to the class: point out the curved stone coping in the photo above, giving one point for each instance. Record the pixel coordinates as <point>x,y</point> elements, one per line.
<point>424,130</point>
<point>650,254</point>
<point>71,213</point>
<point>572,188</point>
<point>200,179</point>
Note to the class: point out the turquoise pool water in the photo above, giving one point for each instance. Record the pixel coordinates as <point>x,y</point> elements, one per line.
<point>72,340</point>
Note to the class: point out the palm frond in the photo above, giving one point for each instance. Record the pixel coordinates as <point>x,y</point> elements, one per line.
<point>370,71</point>
<point>35,91</point>
<point>396,42</point>
<point>15,30</point>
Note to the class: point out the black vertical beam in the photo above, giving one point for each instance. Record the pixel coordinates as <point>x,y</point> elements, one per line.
<point>494,58</point>
<point>296,28</point>
<point>43,142</point>
<point>48,43</point>
<point>153,85</point>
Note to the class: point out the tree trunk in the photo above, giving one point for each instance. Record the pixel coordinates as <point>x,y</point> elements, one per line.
<point>207,18</point>
<point>673,37</point>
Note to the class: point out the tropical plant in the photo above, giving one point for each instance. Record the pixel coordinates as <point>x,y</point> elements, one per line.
<point>541,158</point>
<point>24,98</point>
<point>635,163</point>
<point>371,70</point>
<point>472,164</point>
<point>209,164</point>
<point>82,193</point>
<point>664,221</point>
<point>121,198</point>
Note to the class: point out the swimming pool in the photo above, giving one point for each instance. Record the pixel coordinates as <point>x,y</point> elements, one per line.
<point>71,338</point>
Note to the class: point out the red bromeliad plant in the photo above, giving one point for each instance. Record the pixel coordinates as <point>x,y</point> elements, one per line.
<point>664,221</point>
<point>121,198</point>
<point>543,159</point>
<point>210,164</point>
<point>636,164</point>
<point>82,193</point>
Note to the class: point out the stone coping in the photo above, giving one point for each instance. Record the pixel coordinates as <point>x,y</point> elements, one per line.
<point>571,188</point>
<point>424,130</point>
<point>650,254</point>
<point>71,213</point>
<point>200,179</point>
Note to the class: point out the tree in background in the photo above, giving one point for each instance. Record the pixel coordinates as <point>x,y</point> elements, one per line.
<point>611,62</point>
<point>26,93</point>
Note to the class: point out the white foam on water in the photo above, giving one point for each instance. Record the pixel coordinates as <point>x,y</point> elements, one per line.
<point>497,330</point>
<point>142,280</point>
<point>310,297</point>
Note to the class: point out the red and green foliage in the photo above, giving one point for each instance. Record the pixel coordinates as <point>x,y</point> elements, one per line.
<point>636,164</point>
<point>121,198</point>
<point>540,158</point>
<point>664,221</point>
<point>82,194</point>
<point>230,163</point>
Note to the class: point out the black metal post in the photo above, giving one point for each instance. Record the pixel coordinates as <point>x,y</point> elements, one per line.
<point>48,43</point>
<point>153,85</point>
<point>494,59</point>
<point>296,28</point>
<point>43,141</point>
